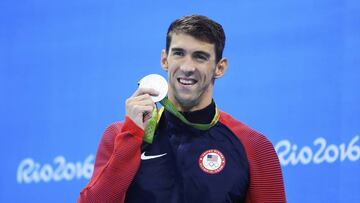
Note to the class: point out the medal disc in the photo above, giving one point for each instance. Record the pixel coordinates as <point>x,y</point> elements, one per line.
<point>156,82</point>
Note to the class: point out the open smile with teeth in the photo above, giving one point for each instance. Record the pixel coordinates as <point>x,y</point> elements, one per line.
<point>186,81</point>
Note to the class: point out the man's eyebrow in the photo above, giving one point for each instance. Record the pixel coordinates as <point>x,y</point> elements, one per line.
<point>177,49</point>
<point>206,54</point>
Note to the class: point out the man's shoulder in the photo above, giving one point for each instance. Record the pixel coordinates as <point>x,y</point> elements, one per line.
<point>116,124</point>
<point>247,135</point>
<point>236,125</point>
<point>112,130</point>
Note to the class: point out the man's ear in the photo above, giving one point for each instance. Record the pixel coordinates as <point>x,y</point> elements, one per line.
<point>163,61</point>
<point>221,68</point>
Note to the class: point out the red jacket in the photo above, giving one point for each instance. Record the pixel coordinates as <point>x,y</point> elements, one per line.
<point>118,159</point>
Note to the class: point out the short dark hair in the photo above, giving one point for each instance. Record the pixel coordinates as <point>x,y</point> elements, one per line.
<point>201,28</point>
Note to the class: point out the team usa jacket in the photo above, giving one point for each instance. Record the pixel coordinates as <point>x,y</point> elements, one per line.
<point>230,162</point>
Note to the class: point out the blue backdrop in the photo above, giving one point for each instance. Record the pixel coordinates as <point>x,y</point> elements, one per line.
<point>66,68</point>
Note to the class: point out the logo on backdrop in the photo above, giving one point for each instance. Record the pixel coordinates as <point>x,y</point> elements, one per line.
<point>30,171</point>
<point>320,152</point>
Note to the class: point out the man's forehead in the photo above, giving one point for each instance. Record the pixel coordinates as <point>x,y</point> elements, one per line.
<point>188,42</point>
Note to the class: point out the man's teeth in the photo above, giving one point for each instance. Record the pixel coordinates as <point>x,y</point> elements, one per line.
<point>187,81</point>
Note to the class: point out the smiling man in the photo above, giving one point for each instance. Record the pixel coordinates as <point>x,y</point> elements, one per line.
<point>199,153</point>
<point>192,67</point>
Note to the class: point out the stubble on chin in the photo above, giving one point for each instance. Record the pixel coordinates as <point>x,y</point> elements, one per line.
<point>186,103</point>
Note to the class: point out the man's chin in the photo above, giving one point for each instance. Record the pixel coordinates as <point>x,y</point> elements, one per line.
<point>187,102</point>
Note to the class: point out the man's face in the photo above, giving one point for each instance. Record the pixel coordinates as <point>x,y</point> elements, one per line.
<point>191,68</point>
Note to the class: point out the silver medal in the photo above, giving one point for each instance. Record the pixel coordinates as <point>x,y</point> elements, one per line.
<point>156,82</point>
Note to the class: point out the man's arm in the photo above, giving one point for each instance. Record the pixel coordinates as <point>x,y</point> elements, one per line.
<point>117,161</point>
<point>118,156</point>
<point>266,180</point>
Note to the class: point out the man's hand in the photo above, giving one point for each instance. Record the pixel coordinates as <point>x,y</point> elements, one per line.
<point>140,105</point>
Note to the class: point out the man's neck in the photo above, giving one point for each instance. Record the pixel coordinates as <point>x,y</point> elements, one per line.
<point>184,108</point>
<point>204,115</point>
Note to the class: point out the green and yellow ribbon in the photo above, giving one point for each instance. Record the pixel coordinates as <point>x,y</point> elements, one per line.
<point>169,106</point>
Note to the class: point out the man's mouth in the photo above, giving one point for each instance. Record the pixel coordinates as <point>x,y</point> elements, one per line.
<point>187,81</point>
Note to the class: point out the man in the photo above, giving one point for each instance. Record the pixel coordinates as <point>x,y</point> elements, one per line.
<point>226,162</point>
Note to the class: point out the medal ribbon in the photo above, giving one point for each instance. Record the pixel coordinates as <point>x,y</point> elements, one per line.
<point>169,106</point>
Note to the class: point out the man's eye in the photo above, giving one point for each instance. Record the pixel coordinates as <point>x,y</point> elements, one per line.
<point>201,57</point>
<point>178,53</point>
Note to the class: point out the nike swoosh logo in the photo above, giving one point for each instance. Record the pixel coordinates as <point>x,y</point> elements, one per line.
<point>144,157</point>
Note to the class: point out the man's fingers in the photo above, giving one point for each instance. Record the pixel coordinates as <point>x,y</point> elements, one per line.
<point>141,97</point>
<point>140,105</point>
<point>147,115</point>
<point>140,100</point>
<point>146,102</point>
<point>149,91</point>
<point>143,110</point>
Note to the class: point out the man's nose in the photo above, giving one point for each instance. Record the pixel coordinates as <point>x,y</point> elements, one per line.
<point>188,65</point>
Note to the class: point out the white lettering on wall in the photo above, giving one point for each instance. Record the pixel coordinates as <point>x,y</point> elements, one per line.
<point>319,152</point>
<point>30,171</point>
